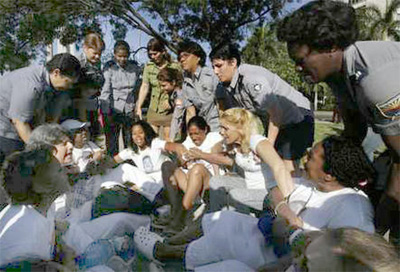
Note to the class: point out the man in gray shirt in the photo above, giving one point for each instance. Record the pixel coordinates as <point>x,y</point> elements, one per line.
<point>291,122</point>
<point>25,94</point>
<point>199,85</point>
<point>365,77</point>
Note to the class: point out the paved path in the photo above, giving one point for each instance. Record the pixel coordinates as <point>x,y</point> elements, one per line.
<point>323,115</point>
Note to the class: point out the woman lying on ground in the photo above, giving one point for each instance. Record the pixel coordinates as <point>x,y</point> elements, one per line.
<point>332,250</point>
<point>328,200</point>
<point>192,178</point>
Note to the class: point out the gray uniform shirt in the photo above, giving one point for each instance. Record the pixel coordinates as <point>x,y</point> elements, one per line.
<point>199,91</point>
<point>119,86</point>
<point>265,93</point>
<point>372,84</point>
<point>23,97</point>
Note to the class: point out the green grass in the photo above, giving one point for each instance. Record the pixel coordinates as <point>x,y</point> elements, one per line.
<point>324,129</point>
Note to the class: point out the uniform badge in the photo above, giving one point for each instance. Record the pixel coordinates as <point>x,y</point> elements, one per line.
<point>257,87</point>
<point>391,108</point>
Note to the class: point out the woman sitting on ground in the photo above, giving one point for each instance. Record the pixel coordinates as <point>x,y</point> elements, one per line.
<point>148,153</point>
<point>193,176</point>
<point>329,200</point>
<point>33,180</point>
<point>244,146</point>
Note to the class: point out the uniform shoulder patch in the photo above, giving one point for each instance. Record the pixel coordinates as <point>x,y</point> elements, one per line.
<point>390,109</point>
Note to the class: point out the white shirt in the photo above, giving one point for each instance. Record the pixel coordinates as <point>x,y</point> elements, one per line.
<point>257,174</point>
<point>25,234</point>
<point>148,160</point>
<point>82,156</point>
<point>211,139</point>
<point>346,207</point>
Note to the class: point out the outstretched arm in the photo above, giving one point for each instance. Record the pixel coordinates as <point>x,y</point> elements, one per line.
<point>266,151</point>
<point>217,156</point>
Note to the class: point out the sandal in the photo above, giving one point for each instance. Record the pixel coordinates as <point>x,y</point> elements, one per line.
<point>145,242</point>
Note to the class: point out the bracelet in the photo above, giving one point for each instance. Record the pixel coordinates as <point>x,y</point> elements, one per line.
<point>295,236</point>
<point>278,206</point>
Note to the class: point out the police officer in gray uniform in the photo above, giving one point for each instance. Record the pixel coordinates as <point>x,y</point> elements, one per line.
<point>199,85</point>
<point>117,97</point>
<point>291,122</point>
<point>25,94</point>
<point>365,77</point>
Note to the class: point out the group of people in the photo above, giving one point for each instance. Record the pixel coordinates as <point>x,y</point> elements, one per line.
<point>222,146</point>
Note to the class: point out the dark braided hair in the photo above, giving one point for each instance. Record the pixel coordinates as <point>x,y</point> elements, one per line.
<point>346,161</point>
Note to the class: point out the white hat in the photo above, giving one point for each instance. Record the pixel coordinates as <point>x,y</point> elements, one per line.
<point>71,124</point>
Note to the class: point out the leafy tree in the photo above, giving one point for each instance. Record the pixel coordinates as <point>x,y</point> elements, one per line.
<point>212,21</point>
<point>378,25</point>
<point>264,49</point>
<point>26,24</point>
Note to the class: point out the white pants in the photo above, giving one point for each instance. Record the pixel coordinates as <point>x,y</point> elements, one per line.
<point>150,184</point>
<point>80,235</point>
<point>225,266</point>
<point>229,236</point>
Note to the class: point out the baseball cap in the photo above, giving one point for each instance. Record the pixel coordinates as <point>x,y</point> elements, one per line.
<point>71,124</point>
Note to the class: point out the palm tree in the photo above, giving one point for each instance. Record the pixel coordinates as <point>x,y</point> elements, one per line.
<point>378,25</point>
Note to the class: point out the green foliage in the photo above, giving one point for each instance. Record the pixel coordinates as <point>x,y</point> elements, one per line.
<point>26,26</point>
<point>377,25</point>
<point>119,29</point>
<point>212,21</point>
<point>264,49</point>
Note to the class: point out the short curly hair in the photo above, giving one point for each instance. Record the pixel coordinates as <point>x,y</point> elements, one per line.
<point>321,25</point>
<point>346,161</point>
<point>18,170</point>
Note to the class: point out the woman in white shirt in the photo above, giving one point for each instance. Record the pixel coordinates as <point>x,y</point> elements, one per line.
<point>193,176</point>
<point>148,152</point>
<point>242,132</point>
<point>33,180</point>
<point>329,199</point>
